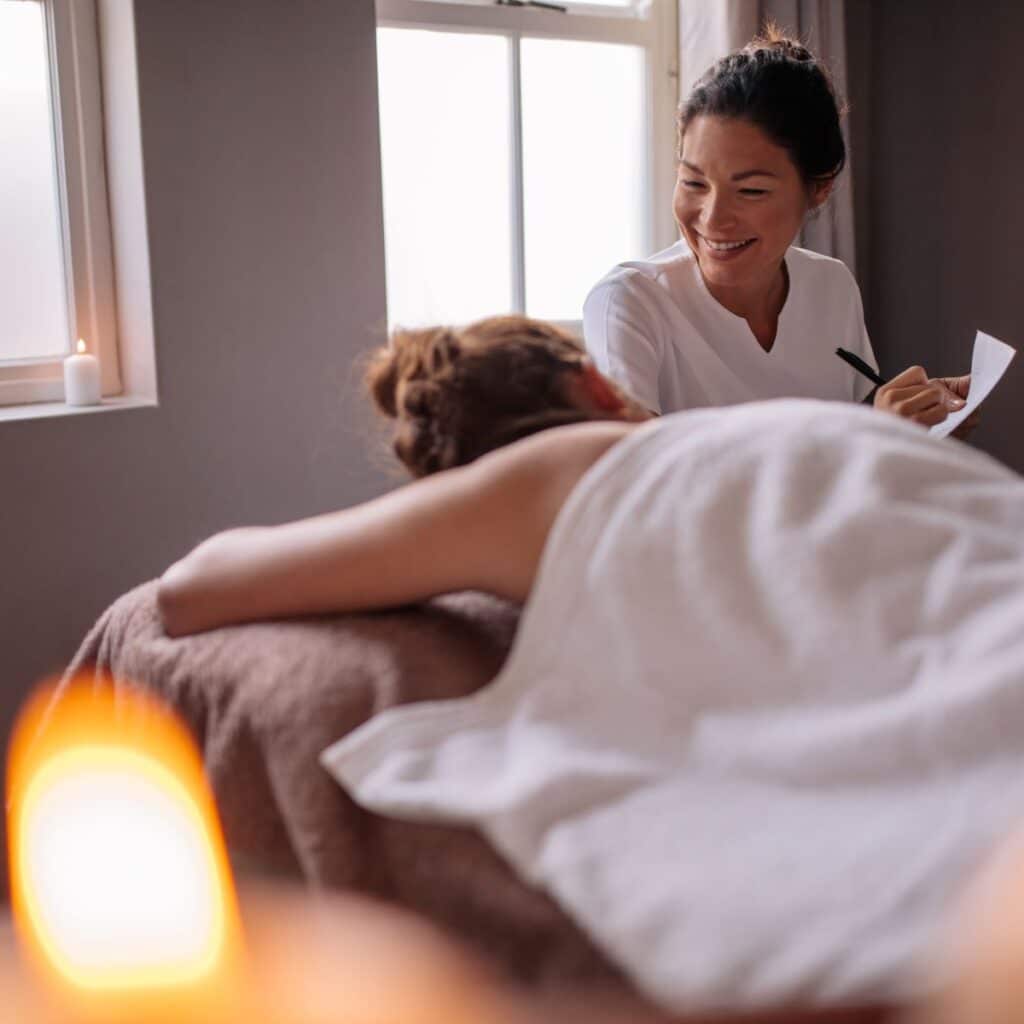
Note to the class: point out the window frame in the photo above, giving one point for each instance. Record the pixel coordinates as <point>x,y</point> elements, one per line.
<point>77,123</point>
<point>652,25</point>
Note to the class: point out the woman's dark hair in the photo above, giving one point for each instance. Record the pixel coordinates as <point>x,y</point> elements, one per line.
<point>777,84</point>
<point>456,393</point>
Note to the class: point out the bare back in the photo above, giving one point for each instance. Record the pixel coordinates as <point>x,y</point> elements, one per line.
<point>526,486</point>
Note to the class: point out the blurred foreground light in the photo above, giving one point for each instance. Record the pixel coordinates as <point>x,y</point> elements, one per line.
<point>126,911</point>
<point>120,881</point>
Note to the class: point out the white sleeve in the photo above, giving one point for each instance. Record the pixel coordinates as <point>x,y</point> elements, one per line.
<point>858,342</point>
<point>619,332</point>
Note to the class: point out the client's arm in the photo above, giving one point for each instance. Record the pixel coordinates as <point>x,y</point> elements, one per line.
<point>481,526</point>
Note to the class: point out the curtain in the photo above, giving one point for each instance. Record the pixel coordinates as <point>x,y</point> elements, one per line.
<point>709,29</point>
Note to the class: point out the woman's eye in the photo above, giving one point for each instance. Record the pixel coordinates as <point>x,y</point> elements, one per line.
<point>694,184</point>
<point>754,191</point>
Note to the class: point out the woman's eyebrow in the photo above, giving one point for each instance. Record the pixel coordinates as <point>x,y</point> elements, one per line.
<point>753,174</point>
<point>742,176</point>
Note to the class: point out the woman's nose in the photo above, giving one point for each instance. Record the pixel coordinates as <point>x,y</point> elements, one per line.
<point>717,211</point>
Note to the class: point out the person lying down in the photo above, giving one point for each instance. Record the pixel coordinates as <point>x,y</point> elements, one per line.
<point>761,720</point>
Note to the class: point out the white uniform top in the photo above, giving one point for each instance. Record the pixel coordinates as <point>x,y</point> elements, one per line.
<point>653,326</point>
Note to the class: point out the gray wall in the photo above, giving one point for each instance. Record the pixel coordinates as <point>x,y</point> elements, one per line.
<point>263,194</point>
<point>259,127</point>
<point>945,208</point>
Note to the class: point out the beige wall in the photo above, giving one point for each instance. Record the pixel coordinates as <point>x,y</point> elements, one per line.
<point>259,131</point>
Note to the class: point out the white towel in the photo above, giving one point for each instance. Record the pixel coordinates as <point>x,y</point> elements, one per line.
<point>765,711</point>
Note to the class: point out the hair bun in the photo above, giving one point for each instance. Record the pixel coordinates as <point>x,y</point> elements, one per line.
<point>442,349</point>
<point>412,356</point>
<point>774,40</point>
<point>420,399</point>
<point>777,84</point>
<point>792,49</point>
<point>381,378</point>
<point>457,393</point>
<point>423,442</point>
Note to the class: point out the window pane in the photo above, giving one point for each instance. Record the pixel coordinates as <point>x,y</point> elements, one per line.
<point>445,122</point>
<point>34,321</point>
<point>583,168</point>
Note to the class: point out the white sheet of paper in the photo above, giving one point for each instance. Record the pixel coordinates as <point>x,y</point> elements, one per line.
<point>988,363</point>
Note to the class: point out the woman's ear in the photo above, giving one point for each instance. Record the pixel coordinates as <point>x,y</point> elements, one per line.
<point>819,193</point>
<point>596,391</point>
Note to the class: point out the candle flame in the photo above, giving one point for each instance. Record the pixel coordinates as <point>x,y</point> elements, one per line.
<point>81,346</point>
<point>121,887</point>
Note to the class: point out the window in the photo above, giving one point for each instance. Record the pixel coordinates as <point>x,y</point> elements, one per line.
<point>56,269</point>
<point>524,151</point>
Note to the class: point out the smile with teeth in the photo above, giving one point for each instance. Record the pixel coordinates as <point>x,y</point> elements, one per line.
<point>726,246</point>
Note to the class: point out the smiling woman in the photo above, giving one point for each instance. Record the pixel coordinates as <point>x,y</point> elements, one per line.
<point>740,223</point>
<point>734,312</point>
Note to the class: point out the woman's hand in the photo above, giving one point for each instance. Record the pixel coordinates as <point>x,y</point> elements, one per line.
<point>915,396</point>
<point>960,386</point>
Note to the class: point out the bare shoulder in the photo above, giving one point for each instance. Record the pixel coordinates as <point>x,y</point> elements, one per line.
<point>554,460</point>
<point>521,488</point>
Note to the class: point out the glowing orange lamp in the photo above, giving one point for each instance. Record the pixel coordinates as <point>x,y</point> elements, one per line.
<point>120,885</point>
<point>125,908</point>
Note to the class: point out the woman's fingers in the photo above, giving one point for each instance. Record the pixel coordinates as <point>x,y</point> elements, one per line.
<point>953,399</point>
<point>915,399</point>
<point>930,416</point>
<point>911,375</point>
<point>960,386</point>
<point>922,403</point>
<point>903,387</point>
<point>912,395</point>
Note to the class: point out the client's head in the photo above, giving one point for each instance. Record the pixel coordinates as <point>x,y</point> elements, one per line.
<point>456,393</point>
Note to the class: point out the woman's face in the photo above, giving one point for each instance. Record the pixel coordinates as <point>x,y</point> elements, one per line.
<point>739,201</point>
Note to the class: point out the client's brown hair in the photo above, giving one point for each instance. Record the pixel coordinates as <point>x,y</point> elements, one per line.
<point>457,393</point>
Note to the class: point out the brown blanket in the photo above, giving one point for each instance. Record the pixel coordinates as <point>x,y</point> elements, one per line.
<point>264,699</point>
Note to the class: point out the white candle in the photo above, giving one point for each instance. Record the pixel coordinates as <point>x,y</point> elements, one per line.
<point>82,378</point>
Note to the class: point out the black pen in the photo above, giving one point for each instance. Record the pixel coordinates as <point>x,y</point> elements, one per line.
<point>532,3</point>
<point>860,366</point>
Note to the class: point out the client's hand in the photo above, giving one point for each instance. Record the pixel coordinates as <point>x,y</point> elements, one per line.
<point>915,396</point>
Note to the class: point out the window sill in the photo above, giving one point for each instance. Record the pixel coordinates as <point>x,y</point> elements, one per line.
<point>126,194</point>
<point>48,410</point>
